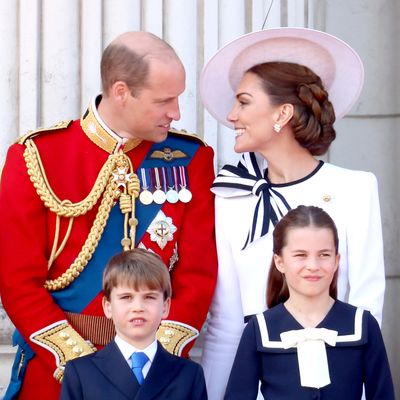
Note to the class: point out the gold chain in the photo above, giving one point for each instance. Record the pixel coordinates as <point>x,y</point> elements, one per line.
<point>107,183</point>
<point>65,208</point>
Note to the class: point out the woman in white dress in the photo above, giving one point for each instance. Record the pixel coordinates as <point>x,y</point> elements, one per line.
<point>272,88</point>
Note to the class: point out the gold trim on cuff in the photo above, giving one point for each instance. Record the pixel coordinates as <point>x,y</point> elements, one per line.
<point>64,342</point>
<point>174,335</point>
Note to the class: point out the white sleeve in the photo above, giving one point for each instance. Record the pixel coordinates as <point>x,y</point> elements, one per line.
<point>225,324</point>
<point>366,270</point>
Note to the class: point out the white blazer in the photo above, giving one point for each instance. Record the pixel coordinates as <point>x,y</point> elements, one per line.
<point>351,199</point>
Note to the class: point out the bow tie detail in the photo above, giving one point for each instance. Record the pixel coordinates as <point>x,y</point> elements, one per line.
<point>247,178</point>
<point>311,354</point>
<point>293,338</point>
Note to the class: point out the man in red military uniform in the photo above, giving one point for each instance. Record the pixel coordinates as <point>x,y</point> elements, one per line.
<point>73,195</point>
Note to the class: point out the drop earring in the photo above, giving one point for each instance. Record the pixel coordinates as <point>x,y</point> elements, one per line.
<point>277,128</point>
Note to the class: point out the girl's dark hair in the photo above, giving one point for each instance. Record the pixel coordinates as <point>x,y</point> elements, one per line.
<point>313,116</point>
<point>300,217</point>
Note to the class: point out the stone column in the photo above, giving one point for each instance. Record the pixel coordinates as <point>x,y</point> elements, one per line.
<point>6,351</point>
<point>368,136</point>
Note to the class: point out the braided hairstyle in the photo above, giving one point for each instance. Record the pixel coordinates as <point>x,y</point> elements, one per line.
<point>313,117</point>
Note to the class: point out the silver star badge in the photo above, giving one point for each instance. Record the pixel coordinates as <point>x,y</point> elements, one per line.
<point>161,230</point>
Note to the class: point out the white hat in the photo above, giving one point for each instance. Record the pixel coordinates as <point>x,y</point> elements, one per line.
<point>334,61</point>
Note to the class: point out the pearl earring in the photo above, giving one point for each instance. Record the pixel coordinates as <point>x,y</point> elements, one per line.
<point>277,128</point>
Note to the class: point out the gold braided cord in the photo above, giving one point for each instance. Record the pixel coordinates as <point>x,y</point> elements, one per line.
<point>66,237</point>
<point>65,208</point>
<point>133,190</point>
<point>55,243</point>
<point>115,179</point>
<point>117,171</point>
<point>90,244</point>
<point>54,251</point>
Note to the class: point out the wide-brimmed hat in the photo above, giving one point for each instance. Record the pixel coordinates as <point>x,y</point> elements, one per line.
<point>333,60</point>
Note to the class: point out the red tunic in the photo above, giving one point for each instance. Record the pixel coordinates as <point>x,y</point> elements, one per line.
<point>72,162</point>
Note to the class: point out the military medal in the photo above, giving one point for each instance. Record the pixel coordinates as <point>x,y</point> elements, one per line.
<point>185,195</point>
<point>172,176</point>
<point>145,196</point>
<point>122,176</point>
<point>161,229</point>
<point>159,195</point>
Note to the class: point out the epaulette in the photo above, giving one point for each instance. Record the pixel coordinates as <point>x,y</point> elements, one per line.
<point>188,135</point>
<point>59,125</point>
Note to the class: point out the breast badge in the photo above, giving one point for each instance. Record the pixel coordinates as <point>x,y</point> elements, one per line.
<point>167,154</point>
<point>161,230</point>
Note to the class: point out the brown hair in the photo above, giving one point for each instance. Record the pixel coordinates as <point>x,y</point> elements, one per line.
<point>119,63</point>
<point>300,217</point>
<point>137,268</point>
<point>313,116</point>
<point>126,59</point>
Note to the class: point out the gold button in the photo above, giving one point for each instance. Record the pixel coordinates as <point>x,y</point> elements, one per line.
<point>326,198</point>
<point>169,332</point>
<point>64,335</point>
<point>77,350</point>
<point>70,342</point>
<point>164,340</point>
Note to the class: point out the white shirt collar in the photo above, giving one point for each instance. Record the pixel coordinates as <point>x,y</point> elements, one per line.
<point>127,349</point>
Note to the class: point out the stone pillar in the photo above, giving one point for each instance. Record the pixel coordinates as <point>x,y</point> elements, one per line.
<point>6,351</point>
<point>368,136</point>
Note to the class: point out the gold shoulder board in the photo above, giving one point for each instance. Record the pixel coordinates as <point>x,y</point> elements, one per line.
<point>188,135</point>
<point>59,125</point>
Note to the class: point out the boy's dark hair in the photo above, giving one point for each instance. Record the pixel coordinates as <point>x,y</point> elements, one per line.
<point>137,268</point>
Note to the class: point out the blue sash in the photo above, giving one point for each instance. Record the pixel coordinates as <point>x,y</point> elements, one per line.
<point>83,290</point>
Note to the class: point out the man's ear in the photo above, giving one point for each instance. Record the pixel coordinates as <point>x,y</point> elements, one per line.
<point>120,91</point>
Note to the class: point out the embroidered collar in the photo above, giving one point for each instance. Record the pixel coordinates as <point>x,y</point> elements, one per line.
<point>278,344</point>
<point>100,134</point>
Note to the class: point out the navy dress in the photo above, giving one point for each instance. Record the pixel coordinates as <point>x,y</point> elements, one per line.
<point>358,358</point>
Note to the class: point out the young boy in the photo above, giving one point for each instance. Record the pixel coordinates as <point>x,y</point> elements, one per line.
<point>137,296</point>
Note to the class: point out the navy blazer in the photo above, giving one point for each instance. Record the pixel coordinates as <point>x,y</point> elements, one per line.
<point>106,375</point>
<point>359,357</point>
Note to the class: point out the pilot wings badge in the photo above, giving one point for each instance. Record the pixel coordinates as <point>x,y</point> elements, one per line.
<point>167,154</point>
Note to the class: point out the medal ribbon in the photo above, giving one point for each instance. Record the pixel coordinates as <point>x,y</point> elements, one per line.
<point>144,179</point>
<point>182,176</point>
<point>164,178</point>
<point>175,177</point>
<point>157,178</point>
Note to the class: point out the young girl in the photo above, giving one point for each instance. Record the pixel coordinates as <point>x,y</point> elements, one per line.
<point>308,345</point>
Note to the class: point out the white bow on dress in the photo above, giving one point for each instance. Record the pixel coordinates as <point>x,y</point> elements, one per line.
<point>311,353</point>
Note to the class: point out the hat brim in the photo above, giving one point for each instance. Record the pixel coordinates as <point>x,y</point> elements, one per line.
<point>334,61</point>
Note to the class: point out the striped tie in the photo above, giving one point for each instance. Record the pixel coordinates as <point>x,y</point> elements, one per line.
<point>139,359</point>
